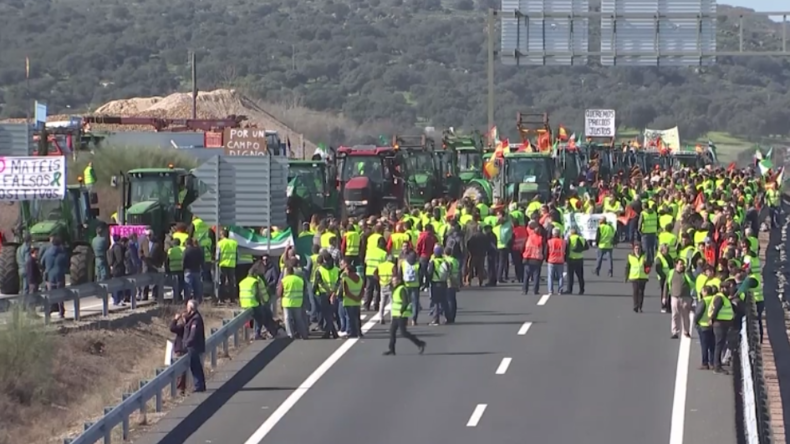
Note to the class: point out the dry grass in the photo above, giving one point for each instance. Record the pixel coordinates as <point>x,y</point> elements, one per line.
<point>51,382</point>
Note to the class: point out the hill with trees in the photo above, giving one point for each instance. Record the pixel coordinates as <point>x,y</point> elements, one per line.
<point>366,65</point>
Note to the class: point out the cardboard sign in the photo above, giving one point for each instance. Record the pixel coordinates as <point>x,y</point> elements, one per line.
<point>32,178</point>
<point>600,123</point>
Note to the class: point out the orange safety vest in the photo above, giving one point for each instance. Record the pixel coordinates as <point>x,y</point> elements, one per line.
<point>556,251</point>
<point>533,248</point>
<point>519,238</point>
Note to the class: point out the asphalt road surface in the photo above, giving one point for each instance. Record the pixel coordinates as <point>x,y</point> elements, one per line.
<point>513,369</point>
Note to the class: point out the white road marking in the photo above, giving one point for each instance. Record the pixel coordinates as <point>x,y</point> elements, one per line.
<point>363,317</point>
<point>308,383</point>
<point>544,299</point>
<point>476,415</point>
<point>524,328</point>
<point>502,369</point>
<point>678,423</point>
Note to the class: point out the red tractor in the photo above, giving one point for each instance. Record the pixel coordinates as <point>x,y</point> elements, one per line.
<point>370,179</point>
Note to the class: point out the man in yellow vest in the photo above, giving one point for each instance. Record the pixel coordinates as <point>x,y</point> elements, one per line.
<point>409,271</point>
<point>383,274</point>
<point>636,269</point>
<point>353,286</point>
<point>648,230</point>
<point>326,278</point>
<point>89,176</point>
<point>604,239</point>
<point>721,314</point>
<point>226,256</point>
<point>292,291</point>
<point>453,285</point>
<point>253,295</point>
<point>576,248</point>
<point>438,272</point>
<point>375,256</point>
<point>707,340</point>
<point>174,269</point>
<point>401,312</point>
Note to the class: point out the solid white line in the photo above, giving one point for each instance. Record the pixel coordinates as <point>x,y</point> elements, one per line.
<point>544,299</point>
<point>476,415</point>
<point>678,424</point>
<point>524,328</point>
<point>363,317</point>
<point>502,369</point>
<point>308,383</point>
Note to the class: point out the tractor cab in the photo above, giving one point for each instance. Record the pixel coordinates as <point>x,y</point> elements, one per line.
<point>421,166</point>
<point>522,176</point>
<point>156,197</point>
<point>311,189</point>
<point>600,155</point>
<point>370,178</point>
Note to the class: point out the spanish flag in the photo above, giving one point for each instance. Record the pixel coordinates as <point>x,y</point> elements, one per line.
<point>562,134</point>
<point>502,148</point>
<point>544,142</point>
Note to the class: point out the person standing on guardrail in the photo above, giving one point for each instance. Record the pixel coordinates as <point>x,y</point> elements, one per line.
<point>22,256</point>
<point>56,264</point>
<point>174,268</point>
<point>193,267</point>
<point>115,259</point>
<point>195,343</point>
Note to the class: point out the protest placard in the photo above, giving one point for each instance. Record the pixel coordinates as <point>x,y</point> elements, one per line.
<point>32,178</point>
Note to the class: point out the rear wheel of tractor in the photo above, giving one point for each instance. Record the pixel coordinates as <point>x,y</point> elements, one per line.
<point>81,267</point>
<point>9,270</point>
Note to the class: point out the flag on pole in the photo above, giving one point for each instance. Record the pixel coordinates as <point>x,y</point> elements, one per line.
<point>713,152</point>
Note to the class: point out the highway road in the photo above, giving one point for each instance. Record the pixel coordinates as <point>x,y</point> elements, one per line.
<point>513,369</point>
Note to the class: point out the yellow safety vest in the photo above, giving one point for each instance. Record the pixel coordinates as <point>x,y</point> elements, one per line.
<point>325,238</point>
<point>415,283</point>
<point>500,244</point>
<point>88,176</point>
<point>575,240</point>
<point>726,312</point>
<point>398,239</point>
<point>636,267</point>
<point>227,252</point>
<point>704,320</point>
<point>386,269</point>
<point>200,229</point>
<point>437,264</point>
<point>352,243</point>
<point>175,258</point>
<point>758,291</point>
<point>293,291</point>
<point>355,288</point>
<point>263,287</point>
<point>248,289</point>
<point>182,237</point>
<point>329,277</point>
<point>314,267</point>
<point>606,235</point>
<point>668,239</point>
<point>372,260</point>
<point>372,242</point>
<point>397,308</point>
<point>649,223</point>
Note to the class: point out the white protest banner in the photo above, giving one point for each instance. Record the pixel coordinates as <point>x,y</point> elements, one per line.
<point>670,138</point>
<point>600,123</point>
<point>587,224</point>
<point>32,178</point>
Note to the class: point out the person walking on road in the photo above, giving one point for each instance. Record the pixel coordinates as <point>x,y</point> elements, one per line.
<point>254,297</point>
<point>635,273</point>
<point>195,343</point>
<point>401,312</point>
<point>556,261</point>
<point>707,340</point>
<point>577,245</point>
<point>720,313</point>
<point>680,286</point>
<point>604,239</point>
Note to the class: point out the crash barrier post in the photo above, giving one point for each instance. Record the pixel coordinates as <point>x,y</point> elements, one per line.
<point>166,377</point>
<point>748,365</point>
<point>102,290</point>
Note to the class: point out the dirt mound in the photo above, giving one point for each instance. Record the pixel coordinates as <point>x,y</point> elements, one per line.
<point>210,105</point>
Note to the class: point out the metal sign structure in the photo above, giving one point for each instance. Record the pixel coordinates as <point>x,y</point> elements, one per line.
<point>244,191</point>
<point>16,140</point>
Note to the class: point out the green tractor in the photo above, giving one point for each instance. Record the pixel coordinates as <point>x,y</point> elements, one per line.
<point>157,198</point>
<point>465,155</point>
<point>311,190</point>
<point>523,175</point>
<point>419,159</point>
<point>71,219</point>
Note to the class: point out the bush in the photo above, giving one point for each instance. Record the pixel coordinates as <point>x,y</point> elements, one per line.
<point>27,356</point>
<point>108,161</point>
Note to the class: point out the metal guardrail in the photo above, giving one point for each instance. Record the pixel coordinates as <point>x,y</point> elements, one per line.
<point>749,362</point>
<point>154,388</point>
<point>101,290</point>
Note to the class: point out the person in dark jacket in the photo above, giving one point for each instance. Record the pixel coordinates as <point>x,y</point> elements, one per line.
<point>130,264</point>
<point>22,256</point>
<point>195,344</point>
<point>152,254</point>
<point>100,244</point>
<point>193,267</point>
<point>56,264</point>
<point>33,276</point>
<point>115,260</point>
<point>177,327</point>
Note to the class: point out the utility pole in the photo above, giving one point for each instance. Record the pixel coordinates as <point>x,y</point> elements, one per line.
<point>193,66</point>
<point>491,53</point>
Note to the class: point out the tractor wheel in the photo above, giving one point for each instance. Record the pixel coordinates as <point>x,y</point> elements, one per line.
<point>81,266</point>
<point>9,270</point>
<point>474,191</point>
